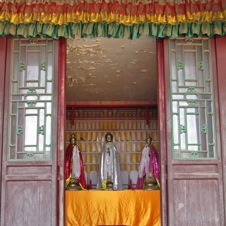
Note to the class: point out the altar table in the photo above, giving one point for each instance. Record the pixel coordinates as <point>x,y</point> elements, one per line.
<point>127,208</point>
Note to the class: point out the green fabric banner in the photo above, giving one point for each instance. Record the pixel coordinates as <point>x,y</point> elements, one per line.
<point>113,30</point>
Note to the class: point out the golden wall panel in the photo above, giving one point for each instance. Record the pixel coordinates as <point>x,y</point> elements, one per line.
<point>129,128</point>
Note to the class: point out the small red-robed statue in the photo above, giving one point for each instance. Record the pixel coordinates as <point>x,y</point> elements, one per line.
<point>74,168</point>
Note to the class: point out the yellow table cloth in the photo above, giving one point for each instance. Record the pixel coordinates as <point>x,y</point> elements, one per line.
<point>127,207</point>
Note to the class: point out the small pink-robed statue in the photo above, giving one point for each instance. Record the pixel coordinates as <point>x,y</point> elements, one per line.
<point>74,168</point>
<point>148,163</point>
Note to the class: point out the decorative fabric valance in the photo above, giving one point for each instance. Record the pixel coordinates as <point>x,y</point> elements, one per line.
<point>116,19</point>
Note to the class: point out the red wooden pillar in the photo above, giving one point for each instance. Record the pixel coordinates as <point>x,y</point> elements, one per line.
<point>3,50</point>
<point>221,71</point>
<point>61,128</point>
<point>162,130</point>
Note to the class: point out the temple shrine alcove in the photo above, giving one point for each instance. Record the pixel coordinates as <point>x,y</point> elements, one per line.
<point>111,86</point>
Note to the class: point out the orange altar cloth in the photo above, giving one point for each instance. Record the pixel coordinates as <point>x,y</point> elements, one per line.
<point>127,207</point>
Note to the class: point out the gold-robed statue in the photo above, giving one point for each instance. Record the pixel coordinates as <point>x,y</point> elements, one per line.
<point>74,168</point>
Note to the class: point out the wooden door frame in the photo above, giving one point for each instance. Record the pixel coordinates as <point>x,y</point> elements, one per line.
<point>161,124</point>
<point>219,103</point>
<point>168,138</point>
<point>3,50</point>
<point>220,43</point>
<point>162,128</point>
<point>5,126</point>
<point>61,129</point>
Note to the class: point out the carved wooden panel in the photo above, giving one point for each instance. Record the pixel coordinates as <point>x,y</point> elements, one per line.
<point>28,203</point>
<point>196,202</point>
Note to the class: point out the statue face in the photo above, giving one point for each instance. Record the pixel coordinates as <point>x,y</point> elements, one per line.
<point>148,141</point>
<point>108,138</point>
<point>73,141</point>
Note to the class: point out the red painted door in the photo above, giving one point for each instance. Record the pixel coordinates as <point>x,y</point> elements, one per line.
<point>191,157</point>
<point>32,147</point>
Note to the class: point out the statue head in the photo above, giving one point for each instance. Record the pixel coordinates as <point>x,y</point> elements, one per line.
<point>148,139</point>
<point>109,137</point>
<point>73,139</point>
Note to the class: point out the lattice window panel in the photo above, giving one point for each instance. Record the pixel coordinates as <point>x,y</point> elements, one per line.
<point>31,100</point>
<point>192,99</point>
